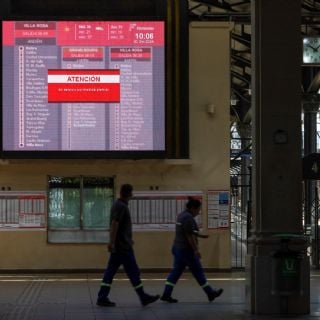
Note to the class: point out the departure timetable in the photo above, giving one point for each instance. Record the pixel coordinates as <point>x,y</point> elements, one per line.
<point>22,209</point>
<point>83,86</point>
<point>158,210</point>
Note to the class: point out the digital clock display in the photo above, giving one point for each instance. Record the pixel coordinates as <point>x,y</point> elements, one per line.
<point>144,36</point>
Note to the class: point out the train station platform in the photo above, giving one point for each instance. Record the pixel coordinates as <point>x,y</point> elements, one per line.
<point>73,297</point>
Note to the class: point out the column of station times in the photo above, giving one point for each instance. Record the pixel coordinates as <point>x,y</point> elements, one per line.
<point>157,210</point>
<point>22,211</point>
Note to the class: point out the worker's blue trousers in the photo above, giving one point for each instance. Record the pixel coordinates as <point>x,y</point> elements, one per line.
<point>130,266</point>
<point>183,258</point>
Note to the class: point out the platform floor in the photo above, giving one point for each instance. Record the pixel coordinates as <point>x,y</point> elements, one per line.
<point>73,297</point>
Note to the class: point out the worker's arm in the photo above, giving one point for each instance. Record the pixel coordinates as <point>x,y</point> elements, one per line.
<point>113,235</point>
<point>199,235</point>
<point>193,243</point>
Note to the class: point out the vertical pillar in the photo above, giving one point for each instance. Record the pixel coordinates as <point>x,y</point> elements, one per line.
<point>277,167</point>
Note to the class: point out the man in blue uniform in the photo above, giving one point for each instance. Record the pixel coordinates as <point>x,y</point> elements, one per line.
<point>121,251</point>
<point>186,253</point>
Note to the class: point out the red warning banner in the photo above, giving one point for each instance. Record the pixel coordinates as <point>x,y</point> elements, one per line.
<point>84,85</point>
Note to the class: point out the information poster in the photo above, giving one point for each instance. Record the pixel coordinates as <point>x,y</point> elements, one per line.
<point>22,210</point>
<point>218,203</point>
<point>158,211</point>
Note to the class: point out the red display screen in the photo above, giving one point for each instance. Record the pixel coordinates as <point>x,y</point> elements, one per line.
<point>83,86</point>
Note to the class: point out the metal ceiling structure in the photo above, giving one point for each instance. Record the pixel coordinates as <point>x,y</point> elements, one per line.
<point>238,12</point>
<point>207,9</point>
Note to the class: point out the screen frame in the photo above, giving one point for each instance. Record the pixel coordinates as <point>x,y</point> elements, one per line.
<point>88,154</point>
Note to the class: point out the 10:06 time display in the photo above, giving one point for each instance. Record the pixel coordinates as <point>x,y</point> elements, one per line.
<point>144,36</point>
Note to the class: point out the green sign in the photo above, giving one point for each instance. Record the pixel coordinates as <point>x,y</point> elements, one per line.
<point>289,266</point>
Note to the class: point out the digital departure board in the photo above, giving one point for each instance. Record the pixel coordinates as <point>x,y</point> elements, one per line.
<point>92,86</point>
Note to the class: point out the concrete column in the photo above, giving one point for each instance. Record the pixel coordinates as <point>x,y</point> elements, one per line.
<point>277,167</point>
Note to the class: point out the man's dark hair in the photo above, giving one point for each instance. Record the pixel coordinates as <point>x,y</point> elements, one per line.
<point>193,203</point>
<point>126,190</point>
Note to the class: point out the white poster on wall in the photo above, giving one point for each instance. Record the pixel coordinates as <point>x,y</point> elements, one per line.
<point>218,208</point>
<point>22,209</point>
<point>158,210</point>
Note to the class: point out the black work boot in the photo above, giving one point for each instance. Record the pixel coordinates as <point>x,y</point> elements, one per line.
<point>214,294</point>
<point>168,299</point>
<point>105,302</point>
<point>144,297</point>
<point>147,299</point>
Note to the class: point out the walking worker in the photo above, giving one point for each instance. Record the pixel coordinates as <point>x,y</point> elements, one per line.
<point>186,253</point>
<point>121,251</point>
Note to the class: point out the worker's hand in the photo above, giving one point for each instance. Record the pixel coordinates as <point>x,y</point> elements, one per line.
<point>197,254</point>
<point>200,235</point>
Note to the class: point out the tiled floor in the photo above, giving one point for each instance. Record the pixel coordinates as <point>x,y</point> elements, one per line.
<point>73,297</point>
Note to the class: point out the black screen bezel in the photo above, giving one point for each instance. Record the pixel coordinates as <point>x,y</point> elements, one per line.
<point>87,154</point>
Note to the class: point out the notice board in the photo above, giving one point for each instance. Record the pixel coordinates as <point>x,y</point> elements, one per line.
<point>158,211</point>
<point>218,203</point>
<point>22,209</point>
